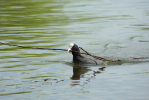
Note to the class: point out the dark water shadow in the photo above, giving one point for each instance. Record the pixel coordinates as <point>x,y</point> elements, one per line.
<point>83,72</point>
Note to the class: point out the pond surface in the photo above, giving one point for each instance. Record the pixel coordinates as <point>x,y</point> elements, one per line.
<point>110,29</point>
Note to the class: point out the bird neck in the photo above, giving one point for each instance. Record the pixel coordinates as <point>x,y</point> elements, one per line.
<point>76,53</point>
<point>76,56</point>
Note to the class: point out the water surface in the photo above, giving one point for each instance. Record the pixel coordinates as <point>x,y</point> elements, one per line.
<point>109,29</point>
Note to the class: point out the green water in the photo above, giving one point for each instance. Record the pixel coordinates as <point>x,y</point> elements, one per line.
<point>109,29</point>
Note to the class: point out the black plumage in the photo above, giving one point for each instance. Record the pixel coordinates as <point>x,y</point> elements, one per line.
<point>78,58</point>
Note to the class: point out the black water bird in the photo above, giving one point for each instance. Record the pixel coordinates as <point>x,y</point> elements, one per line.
<point>78,58</point>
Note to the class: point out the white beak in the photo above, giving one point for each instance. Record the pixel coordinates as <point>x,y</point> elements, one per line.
<point>70,47</point>
<point>69,50</point>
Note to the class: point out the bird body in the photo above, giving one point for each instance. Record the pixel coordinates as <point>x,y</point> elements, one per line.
<point>78,58</point>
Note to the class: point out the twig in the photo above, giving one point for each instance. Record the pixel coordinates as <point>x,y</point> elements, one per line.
<point>86,53</point>
<point>32,47</point>
<point>100,58</point>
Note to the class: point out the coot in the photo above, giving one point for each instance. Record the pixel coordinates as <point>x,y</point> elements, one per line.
<point>78,58</point>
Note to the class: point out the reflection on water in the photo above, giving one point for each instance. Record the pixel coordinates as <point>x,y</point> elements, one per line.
<point>80,72</point>
<point>29,23</point>
<point>30,14</point>
<point>109,29</point>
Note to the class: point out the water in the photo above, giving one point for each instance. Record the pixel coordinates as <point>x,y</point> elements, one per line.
<point>109,29</point>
